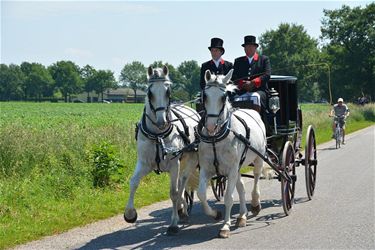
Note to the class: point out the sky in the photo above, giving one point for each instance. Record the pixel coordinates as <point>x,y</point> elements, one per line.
<point>109,34</point>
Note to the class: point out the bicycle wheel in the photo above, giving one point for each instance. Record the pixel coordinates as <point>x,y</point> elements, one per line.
<point>338,137</point>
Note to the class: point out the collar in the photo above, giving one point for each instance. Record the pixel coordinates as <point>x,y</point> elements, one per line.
<point>255,57</point>
<point>221,60</point>
<point>150,135</point>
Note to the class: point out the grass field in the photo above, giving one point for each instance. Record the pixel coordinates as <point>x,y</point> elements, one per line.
<point>49,151</point>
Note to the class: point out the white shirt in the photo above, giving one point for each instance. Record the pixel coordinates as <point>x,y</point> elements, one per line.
<point>250,59</point>
<point>217,62</point>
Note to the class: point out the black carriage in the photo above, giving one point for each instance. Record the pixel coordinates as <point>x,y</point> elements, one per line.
<point>284,149</point>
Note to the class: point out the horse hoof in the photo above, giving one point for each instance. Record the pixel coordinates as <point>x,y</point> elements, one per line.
<point>223,234</point>
<point>255,210</point>
<point>218,215</point>
<point>241,222</point>
<point>172,230</point>
<point>130,219</point>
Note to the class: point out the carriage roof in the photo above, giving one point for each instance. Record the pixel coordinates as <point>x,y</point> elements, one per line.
<point>279,78</point>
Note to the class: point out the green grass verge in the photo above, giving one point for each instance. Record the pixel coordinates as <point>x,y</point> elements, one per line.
<point>46,150</point>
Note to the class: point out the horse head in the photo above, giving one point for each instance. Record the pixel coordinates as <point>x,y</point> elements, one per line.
<point>215,99</point>
<point>158,96</point>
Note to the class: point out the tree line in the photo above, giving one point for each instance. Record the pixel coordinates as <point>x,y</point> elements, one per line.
<point>341,65</point>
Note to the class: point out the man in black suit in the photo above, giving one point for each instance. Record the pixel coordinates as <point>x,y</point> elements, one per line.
<point>252,72</point>
<point>217,65</point>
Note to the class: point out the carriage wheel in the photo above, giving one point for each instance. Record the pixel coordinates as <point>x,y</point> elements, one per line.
<point>189,198</point>
<point>310,162</point>
<point>218,185</point>
<point>289,169</point>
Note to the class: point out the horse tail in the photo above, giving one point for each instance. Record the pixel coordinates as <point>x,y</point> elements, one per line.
<point>193,181</point>
<point>189,164</point>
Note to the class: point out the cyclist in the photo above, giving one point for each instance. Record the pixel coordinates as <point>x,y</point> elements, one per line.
<point>339,110</point>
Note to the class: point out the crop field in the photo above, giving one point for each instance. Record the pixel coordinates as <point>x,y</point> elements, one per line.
<point>68,164</point>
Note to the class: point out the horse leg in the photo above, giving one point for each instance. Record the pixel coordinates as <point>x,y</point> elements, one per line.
<point>173,193</point>
<point>241,220</point>
<point>255,194</point>
<point>228,201</point>
<point>188,165</point>
<point>202,195</point>
<point>130,213</point>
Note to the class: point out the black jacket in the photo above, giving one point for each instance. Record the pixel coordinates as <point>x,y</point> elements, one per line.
<point>223,69</point>
<point>259,70</point>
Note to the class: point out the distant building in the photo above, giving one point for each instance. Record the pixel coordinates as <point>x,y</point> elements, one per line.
<point>112,95</point>
<point>124,95</point>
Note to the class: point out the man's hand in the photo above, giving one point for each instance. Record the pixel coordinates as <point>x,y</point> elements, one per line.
<point>248,86</point>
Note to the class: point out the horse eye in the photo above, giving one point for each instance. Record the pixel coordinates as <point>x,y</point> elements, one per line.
<point>168,93</point>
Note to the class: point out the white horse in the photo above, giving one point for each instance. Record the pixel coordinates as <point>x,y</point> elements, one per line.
<point>224,138</point>
<point>163,130</point>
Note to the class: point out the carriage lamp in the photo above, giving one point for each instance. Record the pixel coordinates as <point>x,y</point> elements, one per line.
<point>274,101</point>
<point>274,105</point>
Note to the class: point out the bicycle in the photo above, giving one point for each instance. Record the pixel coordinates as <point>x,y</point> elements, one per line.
<point>339,123</point>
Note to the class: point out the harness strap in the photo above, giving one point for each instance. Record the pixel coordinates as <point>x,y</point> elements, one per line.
<point>185,136</point>
<point>243,156</point>
<point>216,162</point>
<point>157,159</point>
<point>136,130</point>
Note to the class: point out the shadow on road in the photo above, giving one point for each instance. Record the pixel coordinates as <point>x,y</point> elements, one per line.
<point>151,233</point>
<point>329,148</point>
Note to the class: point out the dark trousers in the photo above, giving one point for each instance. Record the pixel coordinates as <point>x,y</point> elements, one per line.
<point>263,101</point>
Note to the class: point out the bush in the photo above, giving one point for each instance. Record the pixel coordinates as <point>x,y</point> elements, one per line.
<point>106,167</point>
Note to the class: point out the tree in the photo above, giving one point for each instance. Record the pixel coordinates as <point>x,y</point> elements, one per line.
<point>38,81</point>
<point>133,75</point>
<point>11,82</point>
<point>190,77</point>
<point>349,34</point>
<point>87,73</point>
<point>67,77</point>
<point>102,80</point>
<point>293,52</point>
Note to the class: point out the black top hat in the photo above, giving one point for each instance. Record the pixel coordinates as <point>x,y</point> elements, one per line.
<point>250,40</point>
<point>217,43</point>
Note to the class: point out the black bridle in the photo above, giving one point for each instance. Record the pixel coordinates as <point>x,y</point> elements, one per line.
<point>218,115</point>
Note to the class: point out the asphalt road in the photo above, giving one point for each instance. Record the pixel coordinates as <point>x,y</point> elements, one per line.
<point>340,215</point>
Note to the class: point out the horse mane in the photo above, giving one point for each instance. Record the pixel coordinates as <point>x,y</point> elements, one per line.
<point>231,88</point>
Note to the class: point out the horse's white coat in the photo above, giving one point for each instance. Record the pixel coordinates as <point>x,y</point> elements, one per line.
<point>157,123</point>
<point>230,149</point>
